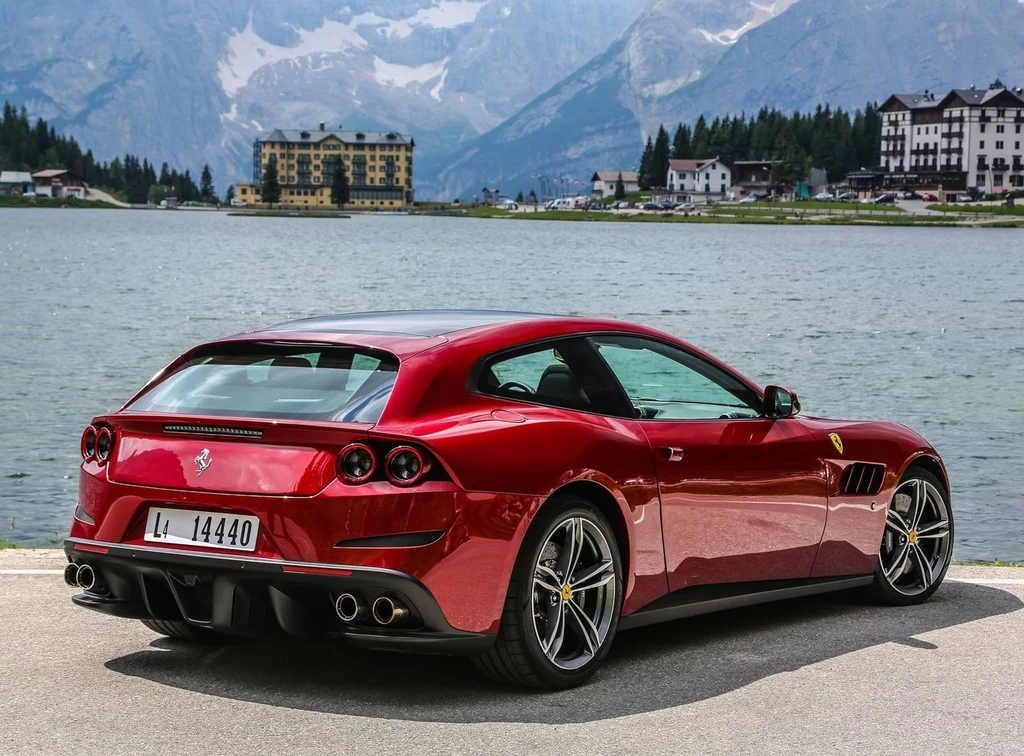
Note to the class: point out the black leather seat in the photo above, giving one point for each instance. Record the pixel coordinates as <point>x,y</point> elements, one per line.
<point>558,382</point>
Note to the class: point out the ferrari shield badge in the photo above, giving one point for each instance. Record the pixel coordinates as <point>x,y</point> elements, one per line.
<point>836,441</point>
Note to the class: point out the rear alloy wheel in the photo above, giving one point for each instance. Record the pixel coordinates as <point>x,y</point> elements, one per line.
<point>917,544</point>
<point>563,602</point>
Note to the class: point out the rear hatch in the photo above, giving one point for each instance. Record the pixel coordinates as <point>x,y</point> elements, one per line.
<point>252,418</point>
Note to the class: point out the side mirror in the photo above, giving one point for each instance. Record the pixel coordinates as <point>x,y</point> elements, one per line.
<point>780,403</point>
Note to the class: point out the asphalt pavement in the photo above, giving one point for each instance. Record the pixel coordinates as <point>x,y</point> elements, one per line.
<point>811,676</point>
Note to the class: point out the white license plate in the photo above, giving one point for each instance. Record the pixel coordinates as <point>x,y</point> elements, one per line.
<point>207,529</point>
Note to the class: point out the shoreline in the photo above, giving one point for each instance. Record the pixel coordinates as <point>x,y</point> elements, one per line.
<point>789,217</point>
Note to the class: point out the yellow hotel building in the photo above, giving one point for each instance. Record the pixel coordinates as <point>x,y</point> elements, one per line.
<point>378,165</point>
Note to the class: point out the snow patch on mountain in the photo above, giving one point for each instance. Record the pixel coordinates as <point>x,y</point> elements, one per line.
<point>247,52</point>
<point>396,75</point>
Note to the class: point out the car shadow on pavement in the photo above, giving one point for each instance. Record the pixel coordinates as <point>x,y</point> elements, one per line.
<point>648,669</point>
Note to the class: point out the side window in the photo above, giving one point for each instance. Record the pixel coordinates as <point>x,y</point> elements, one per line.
<point>667,383</point>
<point>563,373</point>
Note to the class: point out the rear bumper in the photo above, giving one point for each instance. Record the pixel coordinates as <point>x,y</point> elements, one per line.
<point>261,597</point>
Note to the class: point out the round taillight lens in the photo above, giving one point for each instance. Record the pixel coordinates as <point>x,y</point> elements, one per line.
<point>89,444</point>
<point>104,444</point>
<point>406,466</point>
<point>356,463</point>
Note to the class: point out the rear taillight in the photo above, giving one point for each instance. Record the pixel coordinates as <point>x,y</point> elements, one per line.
<point>357,463</point>
<point>89,444</point>
<point>399,464</point>
<point>406,466</point>
<point>104,445</point>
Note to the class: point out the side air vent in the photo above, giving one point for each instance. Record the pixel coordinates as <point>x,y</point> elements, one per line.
<point>213,430</point>
<point>862,479</point>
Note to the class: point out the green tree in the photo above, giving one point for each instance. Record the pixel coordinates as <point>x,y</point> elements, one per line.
<point>700,140</point>
<point>620,188</point>
<point>532,197</point>
<point>157,194</point>
<point>206,191</point>
<point>660,157</point>
<point>997,84</point>
<point>339,186</point>
<point>646,161</point>
<point>681,143</point>
<point>791,164</point>
<point>271,189</point>
<point>230,194</point>
<point>519,197</point>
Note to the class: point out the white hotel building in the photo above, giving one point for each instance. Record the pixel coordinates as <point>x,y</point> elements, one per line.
<point>967,139</point>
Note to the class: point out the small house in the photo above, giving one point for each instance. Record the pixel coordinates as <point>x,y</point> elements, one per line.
<point>700,180</point>
<point>605,181</point>
<point>59,183</point>
<point>16,183</point>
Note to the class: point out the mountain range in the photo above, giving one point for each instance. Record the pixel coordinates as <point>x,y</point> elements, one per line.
<point>496,92</point>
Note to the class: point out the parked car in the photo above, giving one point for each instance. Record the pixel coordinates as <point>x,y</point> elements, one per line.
<point>509,205</point>
<point>685,207</point>
<point>666,205</point>
<point>964,198</point>
<point>886,199</point>
<point>909,196</point>
<point>748,200</point>
<point>825,197</point>
<point>650,206</point>
<point>848,197</point>
<point>929,197</point>
<point>512,487</point>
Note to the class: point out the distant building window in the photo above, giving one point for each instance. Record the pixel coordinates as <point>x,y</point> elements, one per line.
<point>982,144</point>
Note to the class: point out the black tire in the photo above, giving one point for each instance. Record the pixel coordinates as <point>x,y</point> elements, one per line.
<point>881,591</point>
<point>516,656</point>
<point>183,631</point>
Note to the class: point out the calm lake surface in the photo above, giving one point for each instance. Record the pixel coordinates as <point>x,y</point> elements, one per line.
<point>919,326</point>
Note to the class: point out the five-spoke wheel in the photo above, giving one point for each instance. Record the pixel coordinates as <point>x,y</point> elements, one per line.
<point>563,601</point>
<point>917,544</point>
<point>574,593</point>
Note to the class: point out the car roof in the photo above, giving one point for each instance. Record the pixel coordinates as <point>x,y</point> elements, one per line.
<point>421,323</point>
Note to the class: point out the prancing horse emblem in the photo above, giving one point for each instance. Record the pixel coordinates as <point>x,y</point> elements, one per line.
<point>203,461</point>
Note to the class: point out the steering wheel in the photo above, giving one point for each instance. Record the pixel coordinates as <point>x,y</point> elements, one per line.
<point>516,386</point>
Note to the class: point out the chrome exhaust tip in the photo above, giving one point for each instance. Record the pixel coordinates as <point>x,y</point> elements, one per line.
<point>86,577</point>
<point>349,608</point>
<point>386,611</point>
<point>71,575</point>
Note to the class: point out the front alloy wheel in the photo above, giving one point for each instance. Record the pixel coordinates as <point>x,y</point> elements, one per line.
<point>563,601</point>
<point>917,544</point>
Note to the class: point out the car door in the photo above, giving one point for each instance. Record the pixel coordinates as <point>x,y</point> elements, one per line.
<point>743,497</point>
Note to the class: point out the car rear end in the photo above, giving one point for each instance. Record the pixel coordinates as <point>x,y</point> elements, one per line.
<point>246,491</point>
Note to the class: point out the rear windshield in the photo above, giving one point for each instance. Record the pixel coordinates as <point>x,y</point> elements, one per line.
<point>342,384</point>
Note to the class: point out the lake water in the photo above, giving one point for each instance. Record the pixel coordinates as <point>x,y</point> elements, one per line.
<point>920,326</point>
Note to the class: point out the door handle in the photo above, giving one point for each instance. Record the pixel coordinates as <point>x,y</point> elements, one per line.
<point>674,453</point>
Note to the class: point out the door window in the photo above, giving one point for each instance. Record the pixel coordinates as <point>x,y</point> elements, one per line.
<point>563,373</point>
<point>664,382</point>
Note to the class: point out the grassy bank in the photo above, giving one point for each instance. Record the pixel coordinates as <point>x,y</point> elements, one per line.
<point>980,209</point>
<point>59,202</point>
<point>729,214</point>
<point>5,544</point>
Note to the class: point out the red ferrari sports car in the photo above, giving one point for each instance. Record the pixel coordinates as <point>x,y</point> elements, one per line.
<point>508,486</point>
